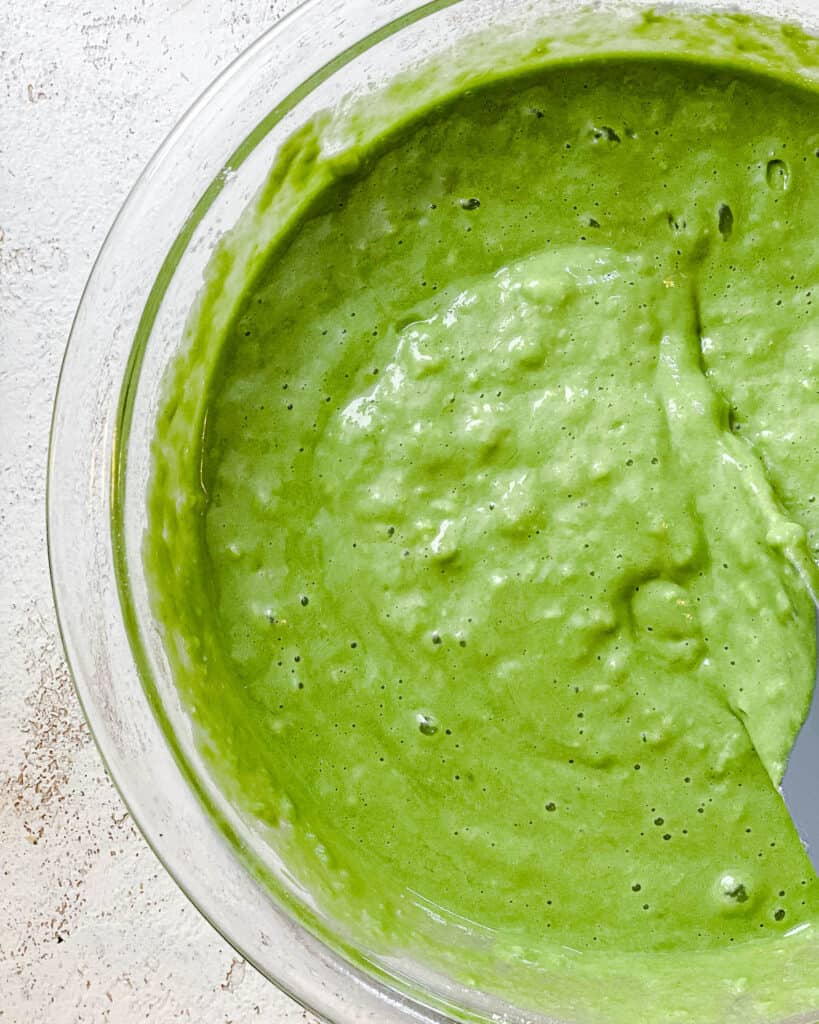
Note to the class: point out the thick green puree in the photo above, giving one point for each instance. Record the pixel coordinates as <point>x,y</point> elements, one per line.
<point>485,550</point>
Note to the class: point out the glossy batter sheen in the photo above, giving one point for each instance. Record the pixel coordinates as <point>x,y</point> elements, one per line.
<point>505,522</point>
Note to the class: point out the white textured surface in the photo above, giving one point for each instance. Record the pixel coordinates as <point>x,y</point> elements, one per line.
<point>91,927</point>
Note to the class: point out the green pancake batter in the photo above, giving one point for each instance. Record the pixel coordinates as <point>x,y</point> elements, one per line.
<point>490,541</point>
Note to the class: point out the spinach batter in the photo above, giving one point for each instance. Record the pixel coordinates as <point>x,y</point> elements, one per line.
<point>491,541</point>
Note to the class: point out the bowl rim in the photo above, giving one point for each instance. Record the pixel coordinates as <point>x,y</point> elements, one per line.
<point>323,968</point>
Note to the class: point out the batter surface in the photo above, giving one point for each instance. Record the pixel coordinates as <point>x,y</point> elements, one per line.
<point>499,547</point>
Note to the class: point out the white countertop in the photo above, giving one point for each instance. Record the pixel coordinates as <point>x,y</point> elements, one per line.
<point>92,929</point>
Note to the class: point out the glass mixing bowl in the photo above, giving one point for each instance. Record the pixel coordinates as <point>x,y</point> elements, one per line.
<point>128,327</point>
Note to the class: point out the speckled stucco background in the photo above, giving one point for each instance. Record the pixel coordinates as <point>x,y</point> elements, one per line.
<point>91,927</point>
